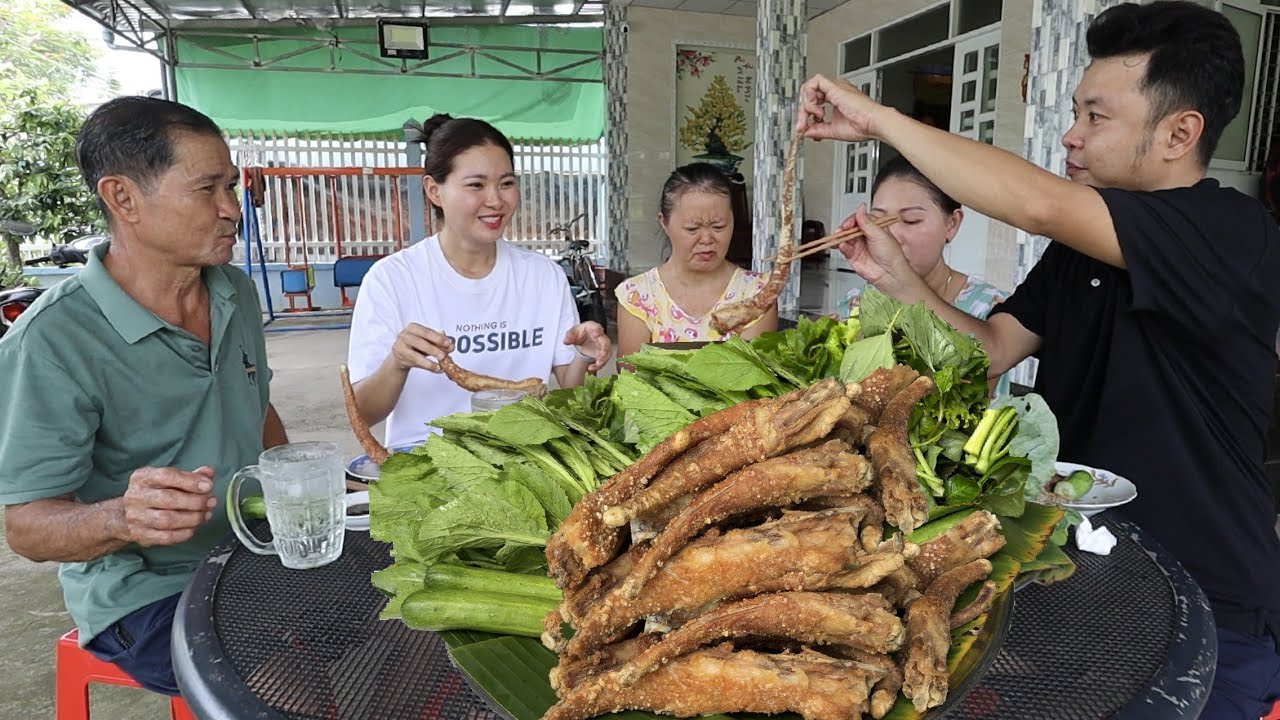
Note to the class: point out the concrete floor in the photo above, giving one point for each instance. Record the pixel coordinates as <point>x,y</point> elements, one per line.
<point>306,392</point>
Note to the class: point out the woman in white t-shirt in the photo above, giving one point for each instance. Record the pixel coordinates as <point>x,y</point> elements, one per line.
<point>494,308</point>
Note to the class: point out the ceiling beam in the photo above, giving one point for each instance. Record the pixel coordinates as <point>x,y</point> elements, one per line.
<point>160,16</point>
<point>129,34</point>
<point>447,20</point>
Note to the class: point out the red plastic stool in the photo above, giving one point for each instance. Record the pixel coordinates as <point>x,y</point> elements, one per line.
<point>76,668</point>
<point>1274,714</point>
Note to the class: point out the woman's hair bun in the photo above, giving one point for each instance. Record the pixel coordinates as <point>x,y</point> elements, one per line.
<point>433,124</point>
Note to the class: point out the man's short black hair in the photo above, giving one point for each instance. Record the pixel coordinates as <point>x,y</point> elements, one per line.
<point>133,137</point>
<point>1196,62</point>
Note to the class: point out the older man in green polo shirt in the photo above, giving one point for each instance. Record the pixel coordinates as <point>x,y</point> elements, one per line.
<point>136,388</point>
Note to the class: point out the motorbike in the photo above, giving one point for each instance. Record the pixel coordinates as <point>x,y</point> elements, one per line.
<point>15,300</point>
<point>584,284</point>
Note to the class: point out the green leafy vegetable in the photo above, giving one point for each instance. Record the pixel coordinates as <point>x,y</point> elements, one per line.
<point>660,360</point>
<point>571,457</point>
<point>814,349</point>
<point>725,367</point>
<point>522,424</point>
<point>486,518</point>
<point>690,399</point>
<point>459,468</point>
<point>925,342</point>
<point>649,416</point>
<point>470,423</point>
<point>865,356</point>
<point>551,497</point>
<point>1036,440</point>
<point>487,451</point>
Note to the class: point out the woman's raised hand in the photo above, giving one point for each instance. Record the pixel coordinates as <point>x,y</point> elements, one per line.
<point>852,112</point>
<point>877,256</point>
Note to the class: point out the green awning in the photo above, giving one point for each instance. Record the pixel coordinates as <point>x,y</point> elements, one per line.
<point>296,92</point>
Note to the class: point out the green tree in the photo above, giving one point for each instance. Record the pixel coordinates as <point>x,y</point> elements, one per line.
<point>42,66</point>
<point>718,123</point>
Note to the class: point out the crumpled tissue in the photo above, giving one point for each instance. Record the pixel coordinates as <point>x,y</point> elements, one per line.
<point>1098,541</point>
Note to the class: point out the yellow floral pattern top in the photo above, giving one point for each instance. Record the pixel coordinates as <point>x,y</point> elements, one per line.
<point>647,298</point>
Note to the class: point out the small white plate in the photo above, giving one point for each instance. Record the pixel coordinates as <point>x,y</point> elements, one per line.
<point>358,522</point>
<point>1109,490</point>
<point>362,468</point>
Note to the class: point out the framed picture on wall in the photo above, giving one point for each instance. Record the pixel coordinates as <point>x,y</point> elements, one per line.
<point>715,107</point>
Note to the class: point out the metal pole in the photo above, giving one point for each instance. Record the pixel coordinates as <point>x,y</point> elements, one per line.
<point>417,198</point>
<point>170,63</point>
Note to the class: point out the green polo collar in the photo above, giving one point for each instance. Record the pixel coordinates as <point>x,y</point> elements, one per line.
<point>129,318</point>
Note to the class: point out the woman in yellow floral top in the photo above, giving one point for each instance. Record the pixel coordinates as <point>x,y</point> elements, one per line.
<point>674,301</point>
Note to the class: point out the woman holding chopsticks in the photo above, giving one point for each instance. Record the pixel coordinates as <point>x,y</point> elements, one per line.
<point>674,301</point>
<point>928,219</point>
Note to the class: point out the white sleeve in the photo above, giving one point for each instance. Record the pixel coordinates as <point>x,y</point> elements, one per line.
<point>375,324</point>
<point>564,354</point>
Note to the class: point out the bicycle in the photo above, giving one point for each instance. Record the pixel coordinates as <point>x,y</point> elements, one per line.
<point>588,294</point>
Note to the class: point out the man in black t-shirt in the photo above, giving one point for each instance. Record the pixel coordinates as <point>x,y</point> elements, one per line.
<point>1153,312</point>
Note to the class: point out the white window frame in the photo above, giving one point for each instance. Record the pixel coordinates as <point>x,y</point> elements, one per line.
<point>953,20</point>
<point>1249,104</point>
<point>876,67</point>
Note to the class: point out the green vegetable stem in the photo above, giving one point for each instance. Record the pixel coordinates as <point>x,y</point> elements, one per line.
<point>990,440</point>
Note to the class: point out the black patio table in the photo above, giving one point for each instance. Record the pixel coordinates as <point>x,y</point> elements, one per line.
<point>1128,636</point>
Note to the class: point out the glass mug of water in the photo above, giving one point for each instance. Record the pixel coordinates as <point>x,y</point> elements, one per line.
<point>489,400</point>
<point>304,490</point>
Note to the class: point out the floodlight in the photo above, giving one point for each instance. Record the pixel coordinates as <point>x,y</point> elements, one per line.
<point>403,38</point>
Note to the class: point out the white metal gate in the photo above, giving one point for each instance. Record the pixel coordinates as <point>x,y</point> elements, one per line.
<point>349,194</point>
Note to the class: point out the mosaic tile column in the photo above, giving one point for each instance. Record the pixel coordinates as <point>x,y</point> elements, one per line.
<point>1059,55</point>
<point>780,70</point>
<point>614,249</point>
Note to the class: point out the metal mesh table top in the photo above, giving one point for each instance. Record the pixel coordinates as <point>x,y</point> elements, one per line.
<point>1092,646</point>
<point>308,645</point>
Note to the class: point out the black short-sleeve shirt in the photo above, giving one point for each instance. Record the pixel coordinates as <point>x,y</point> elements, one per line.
<point>1164,371</point>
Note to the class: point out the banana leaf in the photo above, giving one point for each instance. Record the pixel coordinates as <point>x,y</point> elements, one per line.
<point>1028,535</point>
<point>1051,566</point>
<point>457,638</point>
<point>514,671</point>
<point>969,644</point>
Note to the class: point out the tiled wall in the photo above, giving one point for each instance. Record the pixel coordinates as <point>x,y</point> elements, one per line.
<point>1058,59</point>
<point>1015,44</point>
<point>615,89</point>
<point>650,121</point>
<point>780,51</point>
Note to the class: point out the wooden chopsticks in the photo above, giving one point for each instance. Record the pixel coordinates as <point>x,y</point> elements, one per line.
<point>834,239</point>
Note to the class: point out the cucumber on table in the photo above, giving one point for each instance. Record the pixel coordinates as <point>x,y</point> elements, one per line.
<point>443,576</point>
<point>253,507</point>
<point>437,610</point>
<point>1074,486</point>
